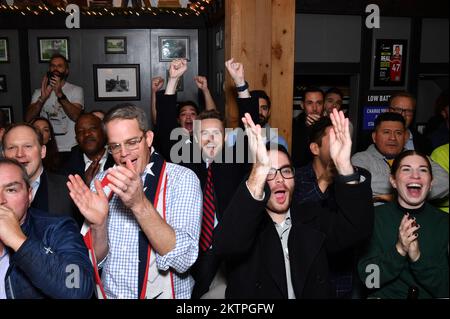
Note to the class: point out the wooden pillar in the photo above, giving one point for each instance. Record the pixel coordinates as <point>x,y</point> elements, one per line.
<point>260,34</point>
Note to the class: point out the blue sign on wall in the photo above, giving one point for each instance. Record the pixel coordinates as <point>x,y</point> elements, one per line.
<point>370,114</point>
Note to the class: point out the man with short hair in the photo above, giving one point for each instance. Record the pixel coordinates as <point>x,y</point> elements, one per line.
<point>276,249</point>
<point>405,104</point>
<point>90,156</point>
<point>312,111</point>
<point>146,237</point>
<point>24,143</point>
<point>312,181</point>
<point>59,101</point>
<point>40,256</point>
<point>219,178</point>
<point>389,138</point>
<point>183,115</point>
<point>333,100</point>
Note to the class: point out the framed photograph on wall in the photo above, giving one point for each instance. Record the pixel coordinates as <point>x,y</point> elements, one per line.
<point>116,82</point>
<point>3,87</point>
<point>4,54</point>
<point>116,45</point>
<point>8,111</point>
<point>390,62</point>
<point>50,46</point>
<point>173,48</point>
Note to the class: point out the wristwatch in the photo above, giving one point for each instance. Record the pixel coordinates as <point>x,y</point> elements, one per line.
<point>242,88</point>
<point>348,178</point>
<point>63,97</point>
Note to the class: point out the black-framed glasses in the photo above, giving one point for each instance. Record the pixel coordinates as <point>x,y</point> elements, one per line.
<point>130,145</point>
<point>287,172</point>
<point>400,110</point>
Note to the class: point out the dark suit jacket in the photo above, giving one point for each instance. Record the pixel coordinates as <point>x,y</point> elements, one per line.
<point>166,121</point>
<point>76,165</point>
<point>301,154</point>
<point>53,196</point>
<point>248,240</point>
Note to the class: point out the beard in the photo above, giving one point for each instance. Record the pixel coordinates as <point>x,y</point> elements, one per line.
<point>262,120</point>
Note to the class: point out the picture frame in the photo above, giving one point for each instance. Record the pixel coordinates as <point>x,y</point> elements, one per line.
<point>116,82</point>
<point>115,45</point>
<point>173,47</point>
<point>390,62</point>
<point>4,50</point>
<point>8,111</point>
<point>47,47</point>
<point>3,85</point>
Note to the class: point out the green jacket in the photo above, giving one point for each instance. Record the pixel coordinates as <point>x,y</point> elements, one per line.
<point>398,273</point>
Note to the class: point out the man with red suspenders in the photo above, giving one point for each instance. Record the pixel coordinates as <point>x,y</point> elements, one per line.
<point>146,237</point>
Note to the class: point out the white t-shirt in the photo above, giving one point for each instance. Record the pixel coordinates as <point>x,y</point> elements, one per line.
<point>63,126</point>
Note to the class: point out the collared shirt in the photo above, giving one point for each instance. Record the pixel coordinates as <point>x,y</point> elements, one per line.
<point>35,185</point>
<point>283,230</point>
<point>88,162</point>
<point>4,265</point>
<point>183,214</point>
<point>410,142</point>
<point>306,186</point>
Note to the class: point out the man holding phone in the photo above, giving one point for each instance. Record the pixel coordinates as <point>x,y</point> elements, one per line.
<point>59,101</point>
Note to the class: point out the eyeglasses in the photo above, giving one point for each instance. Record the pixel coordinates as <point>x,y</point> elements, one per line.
<point>287,172</point>
<point>400,110</point>
<point>130,145</point>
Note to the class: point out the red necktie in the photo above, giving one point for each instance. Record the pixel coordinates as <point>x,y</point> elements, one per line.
<point>209,208</point>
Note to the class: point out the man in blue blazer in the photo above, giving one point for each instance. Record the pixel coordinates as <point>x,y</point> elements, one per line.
<point>41,256</point>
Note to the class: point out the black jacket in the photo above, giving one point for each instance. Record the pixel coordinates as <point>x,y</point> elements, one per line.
<point>76,165</point>
<point>53,196</point>
<point>248,240</point>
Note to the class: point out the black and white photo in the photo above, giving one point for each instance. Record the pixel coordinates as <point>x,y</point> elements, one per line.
<point>116,82</point>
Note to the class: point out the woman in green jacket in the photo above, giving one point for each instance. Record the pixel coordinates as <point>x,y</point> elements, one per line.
<point>408,253</point>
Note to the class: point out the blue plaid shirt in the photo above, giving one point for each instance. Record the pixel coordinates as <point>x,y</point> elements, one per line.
<point>183,214</point>
<point>306,187</point>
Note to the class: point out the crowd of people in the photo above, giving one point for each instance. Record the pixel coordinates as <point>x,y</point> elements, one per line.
<point>98,205</point>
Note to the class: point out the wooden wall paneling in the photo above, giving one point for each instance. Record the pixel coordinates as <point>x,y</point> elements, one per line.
<point>260,34</point>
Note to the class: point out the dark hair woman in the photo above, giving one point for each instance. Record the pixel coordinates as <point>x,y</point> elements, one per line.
<point>408,253</point>
<point>52,160</point>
